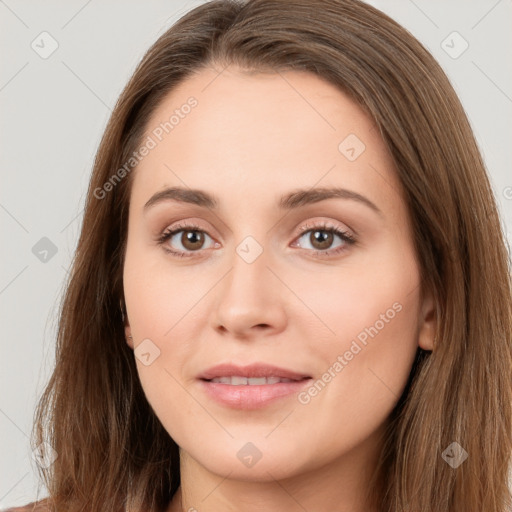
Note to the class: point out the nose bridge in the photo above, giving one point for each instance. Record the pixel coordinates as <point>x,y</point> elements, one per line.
<point>247,295</point>
<point>249,274</point>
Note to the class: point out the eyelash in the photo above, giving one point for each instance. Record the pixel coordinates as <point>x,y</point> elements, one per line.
<point>347,238</point>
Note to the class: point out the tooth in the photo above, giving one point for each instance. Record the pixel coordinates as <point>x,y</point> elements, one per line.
<point>237,381</point>
<point>254,381</point>
<point>251,381</point>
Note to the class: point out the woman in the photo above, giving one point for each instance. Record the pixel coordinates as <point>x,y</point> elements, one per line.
<point>291,290</point>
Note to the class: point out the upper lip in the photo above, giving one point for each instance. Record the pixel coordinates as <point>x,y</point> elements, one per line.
<point>252,370</point>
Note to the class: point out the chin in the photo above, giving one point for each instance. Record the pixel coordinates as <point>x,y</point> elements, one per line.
<point>258,461</point>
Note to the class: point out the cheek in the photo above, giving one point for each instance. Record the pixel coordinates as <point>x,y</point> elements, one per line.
<point>164,312</point>
<point>369,348</point>
<point>366,374</point>
<point>159,297</point>
<point>339,303</point>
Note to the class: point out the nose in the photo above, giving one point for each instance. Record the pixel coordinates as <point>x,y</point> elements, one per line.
<point>250,299</point>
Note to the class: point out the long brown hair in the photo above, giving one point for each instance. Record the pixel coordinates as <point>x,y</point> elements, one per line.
<point>113,451</point>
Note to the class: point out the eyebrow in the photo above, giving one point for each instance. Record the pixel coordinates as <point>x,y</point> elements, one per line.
<point>291,201</point>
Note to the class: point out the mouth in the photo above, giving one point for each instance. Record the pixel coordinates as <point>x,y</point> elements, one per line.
<point>251,387</point>
<point>255,374</point>
<point>237,380</point>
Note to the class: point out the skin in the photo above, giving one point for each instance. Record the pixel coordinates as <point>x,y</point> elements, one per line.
<point>252,138</point>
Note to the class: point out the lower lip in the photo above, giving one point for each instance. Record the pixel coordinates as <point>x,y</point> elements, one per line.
<point>246,396</point>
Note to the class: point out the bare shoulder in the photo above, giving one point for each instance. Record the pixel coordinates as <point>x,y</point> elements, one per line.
<point>35,506</point>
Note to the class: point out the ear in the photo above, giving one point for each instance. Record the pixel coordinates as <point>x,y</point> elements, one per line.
<point>126,324</point>
<point>128,336</point>
<point>427,322</point>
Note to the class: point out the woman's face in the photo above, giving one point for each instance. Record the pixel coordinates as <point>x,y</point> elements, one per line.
<point>260,280</point>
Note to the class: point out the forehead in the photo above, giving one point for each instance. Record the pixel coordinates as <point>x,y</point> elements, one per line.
<point>276,109</point>
<point>265,132</point>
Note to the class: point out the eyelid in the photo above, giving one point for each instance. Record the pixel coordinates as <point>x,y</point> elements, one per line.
<point>324,224</point>
<point>185,225</point>
<point>346,236</point>
<point>172,230</point>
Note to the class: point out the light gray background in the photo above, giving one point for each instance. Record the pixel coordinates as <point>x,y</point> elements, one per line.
<point>54,110</point>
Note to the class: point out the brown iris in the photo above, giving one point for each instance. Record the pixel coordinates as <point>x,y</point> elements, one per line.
<point>321,237</point>
<point>192,240</point>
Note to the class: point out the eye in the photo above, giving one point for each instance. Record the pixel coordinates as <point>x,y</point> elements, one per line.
<point>321,238</point>
<point>191,240</point>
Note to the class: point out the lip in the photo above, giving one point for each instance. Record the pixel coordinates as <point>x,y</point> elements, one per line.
<point>252,370</point>
<point>251,396</point>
